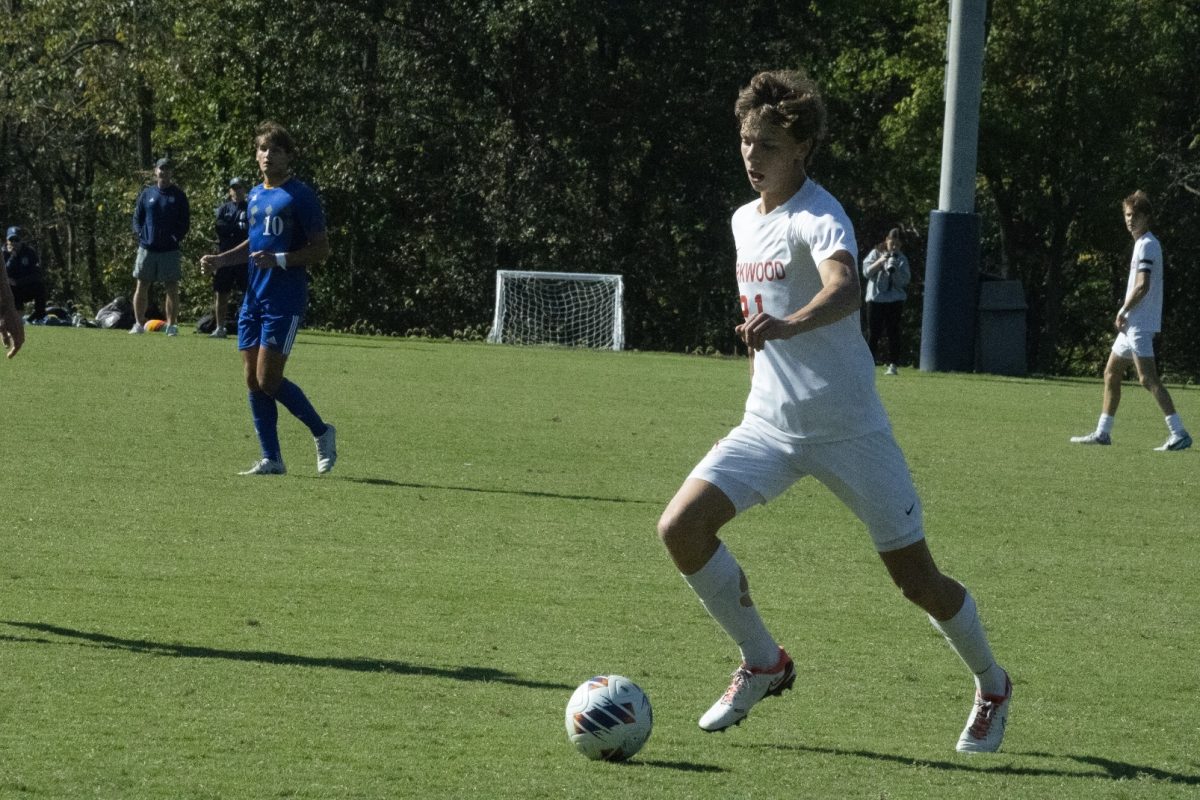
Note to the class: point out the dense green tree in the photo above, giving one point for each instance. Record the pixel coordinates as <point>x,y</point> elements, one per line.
<point>453,138</point>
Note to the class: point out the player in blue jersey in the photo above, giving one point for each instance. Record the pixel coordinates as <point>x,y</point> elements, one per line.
<point>287,236</point>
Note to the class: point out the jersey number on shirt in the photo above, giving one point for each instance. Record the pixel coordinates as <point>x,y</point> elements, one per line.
<point>272,225</point>
<point>746,305</point>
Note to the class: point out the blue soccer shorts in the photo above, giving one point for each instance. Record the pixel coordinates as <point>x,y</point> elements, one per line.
<point>258,328</point>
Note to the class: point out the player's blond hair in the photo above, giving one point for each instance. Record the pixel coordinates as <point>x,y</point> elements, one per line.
<point>788,99</point>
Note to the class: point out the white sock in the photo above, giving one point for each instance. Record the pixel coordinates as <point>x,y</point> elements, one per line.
<point>1105,424</point>
<point>964,633</point>
<point>722,588</point>
<point>1175,425</point>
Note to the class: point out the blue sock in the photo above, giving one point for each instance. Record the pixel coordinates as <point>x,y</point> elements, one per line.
<point>295,401</point>
<point>265,414</point>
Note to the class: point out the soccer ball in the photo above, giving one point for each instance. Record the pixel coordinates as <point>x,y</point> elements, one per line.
<point>609,718</point>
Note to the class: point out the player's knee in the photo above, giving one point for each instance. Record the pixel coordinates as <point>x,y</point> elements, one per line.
<point>676,528</point>
<point>668,527</point>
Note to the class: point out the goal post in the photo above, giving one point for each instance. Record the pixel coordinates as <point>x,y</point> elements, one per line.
<point>573,309</point>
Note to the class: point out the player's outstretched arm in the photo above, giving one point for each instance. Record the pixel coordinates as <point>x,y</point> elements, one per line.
<point>235,255</point>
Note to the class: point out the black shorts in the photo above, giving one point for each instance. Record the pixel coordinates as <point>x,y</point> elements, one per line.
<point>25,292</point>
<point>228,278</point>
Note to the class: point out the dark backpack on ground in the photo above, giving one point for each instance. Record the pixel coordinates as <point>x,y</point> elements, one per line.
<point>208,323</point>
<point>117,314</point>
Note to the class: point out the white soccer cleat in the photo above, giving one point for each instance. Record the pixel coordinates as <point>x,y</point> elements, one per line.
<point>172,330</point>
<point>985,726</point>
<point>326,449</point>
<point>218,332</point>
<point>891,370</point>
<point>137,328</point>
<point>1176,441</point>
<point>1095,437</point>
<point>266,467</point>
<point>747,688</point>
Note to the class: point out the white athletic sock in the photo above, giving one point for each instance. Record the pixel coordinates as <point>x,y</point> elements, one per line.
<point>722,588</point>
<point>1105,424</point>
<point>964,633</point>
<point>1175,425</point>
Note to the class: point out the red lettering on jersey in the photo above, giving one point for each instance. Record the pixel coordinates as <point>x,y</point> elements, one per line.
<point>748,271</point>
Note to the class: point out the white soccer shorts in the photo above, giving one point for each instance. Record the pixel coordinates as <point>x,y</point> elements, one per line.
<point>1133,343</point>
<point>868,473</point>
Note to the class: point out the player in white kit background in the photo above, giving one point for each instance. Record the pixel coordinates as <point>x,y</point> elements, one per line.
<point>812,410</point>
<point>1138,319</point>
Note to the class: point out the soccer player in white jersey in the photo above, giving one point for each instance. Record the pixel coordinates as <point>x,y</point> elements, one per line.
<point>1138,319</point>
<point>812,410</point>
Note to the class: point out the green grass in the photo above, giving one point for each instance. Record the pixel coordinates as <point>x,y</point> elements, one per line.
<point>412,625</point>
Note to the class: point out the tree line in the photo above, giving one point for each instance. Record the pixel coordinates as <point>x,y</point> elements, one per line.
<point>450,139</point>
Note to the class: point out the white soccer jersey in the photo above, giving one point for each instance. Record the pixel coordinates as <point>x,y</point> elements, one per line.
<point>1146,316</point>
<point>818,385</point>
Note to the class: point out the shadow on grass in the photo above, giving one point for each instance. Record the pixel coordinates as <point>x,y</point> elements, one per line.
<point>314,339</point>
<point>1108,769</point>
<point>681,766</point>
<point>101,640</point>
<point>519,492</point>
<point>368,345</point>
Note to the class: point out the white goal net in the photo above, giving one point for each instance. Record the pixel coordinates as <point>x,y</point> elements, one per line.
<point>575,309</point>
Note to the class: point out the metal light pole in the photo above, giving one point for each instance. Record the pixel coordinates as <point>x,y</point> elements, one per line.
<point>952,258</point>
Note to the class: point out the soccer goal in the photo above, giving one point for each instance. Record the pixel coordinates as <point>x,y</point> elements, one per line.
<point>575,309</point>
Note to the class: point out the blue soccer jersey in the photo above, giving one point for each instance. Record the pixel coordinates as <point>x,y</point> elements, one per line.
<point>282,219</point>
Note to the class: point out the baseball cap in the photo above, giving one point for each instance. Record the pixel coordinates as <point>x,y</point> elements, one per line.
<point>13,233</point>
<point>235,183</point>
<point>163,162</point>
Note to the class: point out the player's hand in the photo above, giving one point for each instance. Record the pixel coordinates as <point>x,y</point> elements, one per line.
<point>12,333</point>
<point>1121,322</point>
<point>759,328</point>
<point>208,264</point>
<point>263,260</point>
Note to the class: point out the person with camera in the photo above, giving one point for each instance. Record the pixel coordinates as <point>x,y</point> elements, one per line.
<point>12,327</point>
<point>24,273</point>
<point>887,273</point>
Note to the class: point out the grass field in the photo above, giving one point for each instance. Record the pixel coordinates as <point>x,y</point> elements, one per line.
<point>411,625</point>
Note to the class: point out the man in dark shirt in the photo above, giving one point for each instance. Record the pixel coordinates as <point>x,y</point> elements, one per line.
<point>24,273</point>
<point>161,219</point>
<point>231,231</point>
